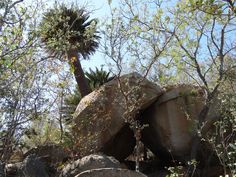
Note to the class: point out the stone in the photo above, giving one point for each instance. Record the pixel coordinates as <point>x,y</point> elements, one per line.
<point>110,172</point>
<point>2,169</point>
<point>92,161</point>
<point>32,166</point>
<point>51,154</point>
<point>172,122</point>
<point>101,115</point>
<point>14,169</point>
<point>160,173</point>
<point>17,156</point>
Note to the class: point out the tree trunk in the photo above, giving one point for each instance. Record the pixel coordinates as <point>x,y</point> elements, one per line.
<point>78,73</point>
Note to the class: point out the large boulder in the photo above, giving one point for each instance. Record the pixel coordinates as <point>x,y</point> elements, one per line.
<point>100,116</point>
<point>51,153</point>
<point>172,122</point>
<point>14,169</point>
<point>2,169</point>
<point>93,161</point>
<point>32,166</point>
<point>110,172</point>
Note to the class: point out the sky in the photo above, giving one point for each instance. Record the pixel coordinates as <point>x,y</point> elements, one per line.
<point>101,11</point>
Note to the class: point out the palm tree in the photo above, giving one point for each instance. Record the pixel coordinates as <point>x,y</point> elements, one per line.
<point>67,32</point>
<point>98,77</point>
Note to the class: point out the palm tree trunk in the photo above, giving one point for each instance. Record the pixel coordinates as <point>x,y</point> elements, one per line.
<point>78,73</point>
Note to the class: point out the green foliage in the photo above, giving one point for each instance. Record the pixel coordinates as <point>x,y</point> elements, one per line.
<point>225,135</point>
<point>213,7</point>
<point>41,132</point>
<point>179,42</point>
<point>138,40</point>
<point>21,83</point>
<point>98,77</point>
<point>68,28</point>
<point>176,171</point>
<point>70,104</point>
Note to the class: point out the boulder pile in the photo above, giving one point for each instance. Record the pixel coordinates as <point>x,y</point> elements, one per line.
<point>101,116</point>
<point>170,115</point>
<point>105,125</point>
<point>93,161</point>
<point>169,118</point>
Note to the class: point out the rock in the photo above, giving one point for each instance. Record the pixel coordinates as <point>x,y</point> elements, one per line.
<point>33,167</point>
<point>99,116</point>
<point>51,154</point>
<point>110,172</point>
<point>121,145</point>
<point>172,122</point>
<point>214,171</point>
<point>89,162</point>
<point>14,169</point>
<point>17,156</point>
<point>160,173</point>
<point>2,169</point>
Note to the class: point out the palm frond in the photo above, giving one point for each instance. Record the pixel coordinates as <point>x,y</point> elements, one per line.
<point>98,77</point>
<point>63,29</point>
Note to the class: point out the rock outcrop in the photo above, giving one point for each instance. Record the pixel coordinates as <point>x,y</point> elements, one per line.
<point>2,169</point>
<point>101,125</point>
<point>100,116</point>
<point>33,167</point>
<point>172,122</point>
<point>51,154</point>
<point>14,169</point>
<point>110,172</point>
<point>93,161</point>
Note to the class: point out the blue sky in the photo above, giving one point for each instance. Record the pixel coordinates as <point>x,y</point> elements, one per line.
<point>101,11</point>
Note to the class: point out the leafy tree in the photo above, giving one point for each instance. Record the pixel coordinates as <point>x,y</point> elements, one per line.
<point>21,85</point>
<point>208,53</point>
<point>214,7</point>
<point>66,31</point>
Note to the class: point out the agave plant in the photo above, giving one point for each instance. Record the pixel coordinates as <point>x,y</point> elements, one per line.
<point>68,32</point>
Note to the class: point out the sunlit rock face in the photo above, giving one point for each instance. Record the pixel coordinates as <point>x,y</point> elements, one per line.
<point>90,162</point>
<point>172,121</point>
<point>2,169</point>
<point>50,154</point>
<point>100,116</point>
<point>32,166</point>
<point>110,172</point>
